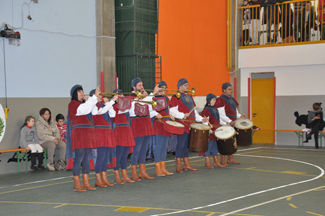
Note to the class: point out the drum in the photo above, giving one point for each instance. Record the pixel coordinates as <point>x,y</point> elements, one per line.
<point>244,129</point>
<point>174,127</point>
<point>199,137</point>
<point>226,140</point>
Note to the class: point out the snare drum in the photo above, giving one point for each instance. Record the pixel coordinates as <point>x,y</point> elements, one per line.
<point>199,137</point>
<point>244,129</point>
<point>226,140</point>
<point>174,127</point>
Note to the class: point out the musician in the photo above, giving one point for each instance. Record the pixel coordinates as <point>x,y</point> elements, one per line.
<point>123,136</point>
<point>81,134</point>
<point>212,113</point>
<point>102,115</point>
<point>183,109</point>
<point>142,129</point>
<point>161,135</point>
<point>227,107</point>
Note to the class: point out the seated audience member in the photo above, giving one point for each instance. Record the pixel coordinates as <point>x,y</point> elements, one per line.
<point>60,165</point>
<point>49,137</point>
<point>29,140</point>
<point>315,118</point>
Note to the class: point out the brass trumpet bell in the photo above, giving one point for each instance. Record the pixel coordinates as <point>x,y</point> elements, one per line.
<point>153,102</point>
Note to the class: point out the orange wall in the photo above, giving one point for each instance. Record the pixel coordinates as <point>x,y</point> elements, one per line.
<point>192,43</point>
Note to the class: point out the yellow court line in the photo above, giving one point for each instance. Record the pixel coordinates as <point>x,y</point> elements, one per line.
<point>59,206</point>
<point>292,205</point>
<point>313,213</point>
<point>289,198</point>
<point>285,154</point>
<point>115,206</point>
<point>319,189</point>
<point>210,214</point>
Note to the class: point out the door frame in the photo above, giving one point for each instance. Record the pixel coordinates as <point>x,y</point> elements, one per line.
<point>249,104</point>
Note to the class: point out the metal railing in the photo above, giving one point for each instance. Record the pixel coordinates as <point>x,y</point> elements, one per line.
<point>291,22</point>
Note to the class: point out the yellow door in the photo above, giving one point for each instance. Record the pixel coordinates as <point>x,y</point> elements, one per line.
<point>263,108</point>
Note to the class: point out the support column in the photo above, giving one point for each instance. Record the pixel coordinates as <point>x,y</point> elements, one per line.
<point>105,46</point>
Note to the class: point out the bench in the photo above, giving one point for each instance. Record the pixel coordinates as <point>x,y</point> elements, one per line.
<point>299,133</point>
<point>22,153</point>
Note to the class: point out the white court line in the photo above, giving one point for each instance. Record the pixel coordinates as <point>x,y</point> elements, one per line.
<point>259,192</point>
<point>54,179</point>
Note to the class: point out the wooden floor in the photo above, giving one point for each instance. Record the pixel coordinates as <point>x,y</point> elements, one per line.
<point>269,181</point>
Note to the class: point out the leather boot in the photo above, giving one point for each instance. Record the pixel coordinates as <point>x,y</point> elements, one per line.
<point>117,177</point>
<point>163,168</point>
<point>232,160</point>
<point>187,165</point>
<point>77,186</point>
<point>134,173</point>
<point>223,160</point>
<point>158,170</point>
<point>216,162</point>
<point>179,165</point>
<point>104,179</point>
<point>207,163</point>
<point>99,182</point>
<point>85,179</point>
<point>125,176</point>
<point>143,173</point>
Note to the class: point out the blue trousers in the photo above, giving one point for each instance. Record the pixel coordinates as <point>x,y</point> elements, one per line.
<point>122,153</point>
<point>103,155</point>
<point>212,149</point>
<point>182,145</point>
<point>82,157</point>
<point>161,148</point>
<point>140,150</point>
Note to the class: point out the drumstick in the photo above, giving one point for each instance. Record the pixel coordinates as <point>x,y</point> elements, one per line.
<point>209,123</point>
<point>169,116</point>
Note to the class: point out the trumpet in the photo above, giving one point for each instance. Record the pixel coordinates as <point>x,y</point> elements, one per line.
<point>153,102</point>
<point>192,90</point>
<point>138,93</point>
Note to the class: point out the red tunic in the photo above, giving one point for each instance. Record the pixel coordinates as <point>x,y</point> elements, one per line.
<point>213,121</point>
<point>83,132</point>
<point>229,111</point>
<point>184,109</point>
<point>122,130</point>
<point>104,131</point>
<point>159,126</point>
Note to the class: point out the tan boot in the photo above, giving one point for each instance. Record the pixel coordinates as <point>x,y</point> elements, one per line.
<point>104,179</point>
<point>158,170</point>
<point>125,176</point>
<point>179,165</point>
<point>163,168</point>
<point>207,163</point>
<point>99,182</point>
<point>134,173</point>
<point>77,186</point>
<point>85,179</point>
<point>216,162</point>
<point>232,160</point>
<point>117,177</point>
<point>223,160</point>
<point>187,165</point>
<point>143,173</point>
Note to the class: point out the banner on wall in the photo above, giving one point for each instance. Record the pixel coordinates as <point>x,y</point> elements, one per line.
<point>2,122</point>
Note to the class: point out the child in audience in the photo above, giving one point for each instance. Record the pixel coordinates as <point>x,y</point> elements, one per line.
<point>315,119</point>
<point>61,126</point>
<point>29,140</point>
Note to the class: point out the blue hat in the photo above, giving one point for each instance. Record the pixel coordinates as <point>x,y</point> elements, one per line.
<point>118,91</point>
<point>181,82</point>
<point>210,97</point>
<point>135,81</point>
<point>225,85</point>
<point>161,84</point>
<point>74,88</point>
<point>92,92</point>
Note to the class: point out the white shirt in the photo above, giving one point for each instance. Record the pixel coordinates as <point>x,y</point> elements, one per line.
<point>87,107</point>
<point>180,115</point>
<point>108,107</point>
<point>223,117</point>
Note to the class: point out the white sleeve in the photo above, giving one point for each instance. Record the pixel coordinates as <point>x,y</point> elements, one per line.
<point>87,107</point>
<point>198,118</point>
<point>153,113</point>
<point>237,113</point>
<point>177,114</point>
<point>131,111</point>
<point>107,107</point>
<point>222,114</point>
<point>222,122</point>
<point>112,112</point>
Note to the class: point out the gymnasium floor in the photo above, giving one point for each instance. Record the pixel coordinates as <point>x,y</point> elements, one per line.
<point>269,181</point>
